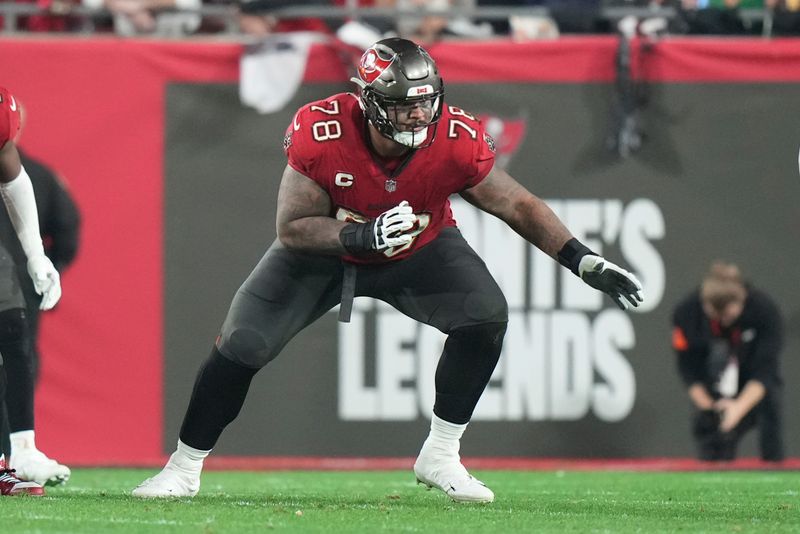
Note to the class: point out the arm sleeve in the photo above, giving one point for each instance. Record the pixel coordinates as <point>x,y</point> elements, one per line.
<point>21,205</point>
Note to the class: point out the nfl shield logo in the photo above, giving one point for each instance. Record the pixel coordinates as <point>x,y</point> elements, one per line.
<point>391,185</point>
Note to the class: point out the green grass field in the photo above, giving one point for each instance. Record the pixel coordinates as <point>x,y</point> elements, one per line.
<point>96,500</point>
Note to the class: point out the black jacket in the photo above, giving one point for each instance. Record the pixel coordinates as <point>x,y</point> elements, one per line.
<point>755,339</point>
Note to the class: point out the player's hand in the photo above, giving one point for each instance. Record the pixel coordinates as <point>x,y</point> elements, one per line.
<point>46,280</point>
<point>730,413</point>
<point>388,230</point>
<point>616,282</point>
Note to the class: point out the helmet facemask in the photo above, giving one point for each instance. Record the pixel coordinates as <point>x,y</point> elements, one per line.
<point>401,92</point>
<point>406,121</point>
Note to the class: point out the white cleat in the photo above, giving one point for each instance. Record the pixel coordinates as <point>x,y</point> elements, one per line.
<point>449,475</point>
<point>172,481</point>
<point>34,465</point>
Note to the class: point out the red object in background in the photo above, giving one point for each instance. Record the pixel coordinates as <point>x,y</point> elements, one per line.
<point>45,22</point>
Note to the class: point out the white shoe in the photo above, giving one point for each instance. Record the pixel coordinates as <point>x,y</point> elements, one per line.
<point>34,465</point>
<point>173,481</point>
<point>446,473</point>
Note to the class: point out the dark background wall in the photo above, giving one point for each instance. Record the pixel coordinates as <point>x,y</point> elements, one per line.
<point>718,164</point>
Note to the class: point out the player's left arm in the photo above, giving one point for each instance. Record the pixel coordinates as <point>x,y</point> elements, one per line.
<point>528,215</point>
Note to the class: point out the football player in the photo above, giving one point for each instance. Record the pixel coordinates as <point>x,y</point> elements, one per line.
<point>363,209</point>
<point>15,341</point>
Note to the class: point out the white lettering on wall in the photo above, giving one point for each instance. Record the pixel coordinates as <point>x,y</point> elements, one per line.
<point>566,351</point>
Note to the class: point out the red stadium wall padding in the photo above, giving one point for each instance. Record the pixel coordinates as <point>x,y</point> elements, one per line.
<point>96,109</point>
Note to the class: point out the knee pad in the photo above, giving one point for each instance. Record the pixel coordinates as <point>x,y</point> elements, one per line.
<point>486,307</point>
<point>247,347</point>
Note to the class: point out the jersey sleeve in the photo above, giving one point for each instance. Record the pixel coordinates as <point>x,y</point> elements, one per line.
<point>316,135</point>
<point>9,117</point>
<point>475,148</point>
<point>483,158</point>
<point>296,145</point>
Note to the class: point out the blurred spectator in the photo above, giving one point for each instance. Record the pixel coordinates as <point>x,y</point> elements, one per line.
<point>565,16</point>
<point>695,17</point>
<point>56,16</point>
<point>728,337</point>
<point>785,16</point>
<point>165,18</point>
<point>714,17</point>
<point>256,18</point>
<point>423,27</point>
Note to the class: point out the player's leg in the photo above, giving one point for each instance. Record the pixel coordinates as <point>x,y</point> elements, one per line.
<point>15,345</point>
<point>447,285</point>
<point>284,293</point>
<point>11,330</point>
<point>10,484</point>
<point>770,426</point>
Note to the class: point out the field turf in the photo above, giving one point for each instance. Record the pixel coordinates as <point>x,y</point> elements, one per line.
<point>96,500</point>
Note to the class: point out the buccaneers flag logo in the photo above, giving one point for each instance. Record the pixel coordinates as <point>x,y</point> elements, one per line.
<point>372,65</point>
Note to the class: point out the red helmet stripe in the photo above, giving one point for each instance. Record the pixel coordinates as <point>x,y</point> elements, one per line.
<point>372,65</point>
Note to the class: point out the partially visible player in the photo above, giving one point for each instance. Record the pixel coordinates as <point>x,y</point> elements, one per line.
<point>15,340</point>
<point>363,209</point>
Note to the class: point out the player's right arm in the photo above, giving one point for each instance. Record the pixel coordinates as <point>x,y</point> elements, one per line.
<point>304,221</point>
<point>17,194</point>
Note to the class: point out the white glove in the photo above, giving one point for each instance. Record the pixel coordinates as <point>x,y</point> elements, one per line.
<point>616,282</point>
<point>388,229</point>
<point>46,280</point>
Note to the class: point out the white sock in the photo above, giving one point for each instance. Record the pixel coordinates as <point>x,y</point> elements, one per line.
<point>22,440</point>
<point>188,458</point>
<point>444,436</point>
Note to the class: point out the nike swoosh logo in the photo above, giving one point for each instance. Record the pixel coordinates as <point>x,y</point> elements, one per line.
<point>13,104</point>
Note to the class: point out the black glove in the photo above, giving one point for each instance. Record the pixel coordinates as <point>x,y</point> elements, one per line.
<point>601,274</point>
<point>616,282</point>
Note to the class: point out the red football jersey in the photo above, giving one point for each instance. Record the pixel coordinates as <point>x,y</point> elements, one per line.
<point>327,142</point>
<point>9,117</point>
